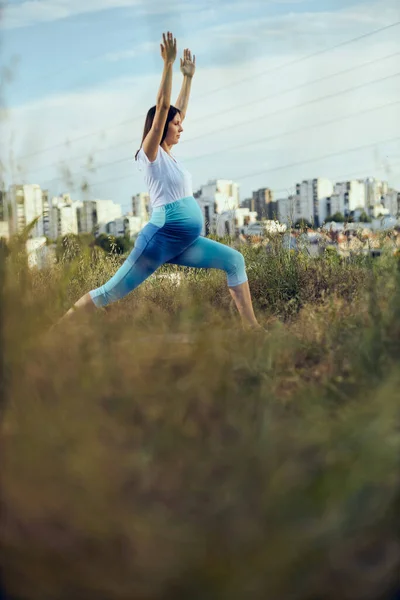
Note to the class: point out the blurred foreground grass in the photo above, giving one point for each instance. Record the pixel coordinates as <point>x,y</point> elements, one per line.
<point>235,466</point>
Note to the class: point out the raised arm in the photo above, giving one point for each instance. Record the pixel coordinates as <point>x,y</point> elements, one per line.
<point>188,67</point>
<point>153,138</point>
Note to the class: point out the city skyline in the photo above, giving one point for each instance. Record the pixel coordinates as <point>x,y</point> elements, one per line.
<point>317,202</point>
<point>314,201</point>
<point>333,114</point>
<point>276,194</point>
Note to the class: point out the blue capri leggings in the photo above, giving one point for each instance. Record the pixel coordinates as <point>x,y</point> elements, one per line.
<point>172,236</point>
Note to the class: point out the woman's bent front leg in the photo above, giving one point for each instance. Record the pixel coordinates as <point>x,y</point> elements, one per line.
<point>209,254</point>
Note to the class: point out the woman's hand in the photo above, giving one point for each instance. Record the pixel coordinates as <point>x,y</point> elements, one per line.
<point>188,66</point>
<point>168,50</point>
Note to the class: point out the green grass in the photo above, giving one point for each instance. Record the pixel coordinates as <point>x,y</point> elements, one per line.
<point>236,466</point>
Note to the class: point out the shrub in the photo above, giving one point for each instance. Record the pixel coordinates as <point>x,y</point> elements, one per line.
<point>135,465</point>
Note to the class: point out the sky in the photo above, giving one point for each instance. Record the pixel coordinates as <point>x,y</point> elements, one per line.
<point>284,90</point>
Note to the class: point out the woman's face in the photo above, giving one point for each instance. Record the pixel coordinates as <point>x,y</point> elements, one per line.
<point>174,130</point>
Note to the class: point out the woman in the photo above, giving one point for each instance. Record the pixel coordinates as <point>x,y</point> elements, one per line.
<point>173,233</point>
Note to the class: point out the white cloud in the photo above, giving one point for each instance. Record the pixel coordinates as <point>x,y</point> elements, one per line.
<point>138,50</point>
<point>247,5</point>
<point>44,123</point>
<point>275,37</point>
<point>352,20</point>
<point>172,6</point>
<point>31,12</point>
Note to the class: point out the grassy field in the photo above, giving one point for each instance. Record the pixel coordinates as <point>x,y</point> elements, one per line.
<point>235,466</point>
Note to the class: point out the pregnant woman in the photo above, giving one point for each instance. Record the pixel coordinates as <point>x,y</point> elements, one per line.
<point>173,233</point>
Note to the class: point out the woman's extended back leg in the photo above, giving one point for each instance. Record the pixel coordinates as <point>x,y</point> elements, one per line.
<point>143,261</point>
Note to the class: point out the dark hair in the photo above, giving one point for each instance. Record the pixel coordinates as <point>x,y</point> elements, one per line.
<point>149,122</point>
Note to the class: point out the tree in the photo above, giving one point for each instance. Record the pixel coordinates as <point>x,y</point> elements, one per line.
<point>125,243</point>
<point>364,218</point>
<point>71,245</point>
<point>302,224</point>
<point>114,245</point>
<point>337,217</point>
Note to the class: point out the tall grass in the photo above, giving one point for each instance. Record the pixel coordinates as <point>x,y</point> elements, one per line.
<point>135,465</point>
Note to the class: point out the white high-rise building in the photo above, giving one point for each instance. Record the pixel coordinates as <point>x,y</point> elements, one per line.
<point>94,215</point>
<point>24,204</point>
<point>352,195</point>
<point>286,210</point>
<point>125,226</point>
<point>375,190</point>
<point>116,227</point>
<point>391,201</point>
<point>215,198</point>
<point>133,225</point>
<point>64,216</point>
<point>141,207</point>
<point>310,200</point>
<point>336,204</point>
<point>235,221</point>
<point>223,192</point>
<point>46,213</point>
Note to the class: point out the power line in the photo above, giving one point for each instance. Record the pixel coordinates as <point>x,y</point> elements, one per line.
<point>316,158</point>
<point>68,67</point>
<point>82,137</point>
<point>13,3</point>
<point>343,176</point>
<point>291,132</point>
<point>269,138</point>
<point>303,85</point>
<point>286,190</point>
<point>308,56</point>
<point>121,160</point>
<point>337,178</point>
<point>279,67</point>
<point>301,105</point>
<point>129,41</point>
<point>312,82</point>
<point>264,171</point>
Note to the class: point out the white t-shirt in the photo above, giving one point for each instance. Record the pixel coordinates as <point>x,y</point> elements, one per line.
<point>166,179</point>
